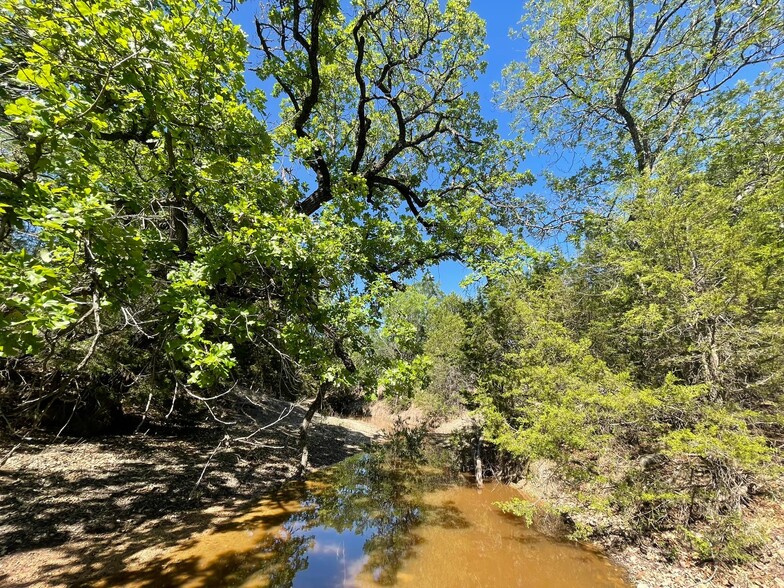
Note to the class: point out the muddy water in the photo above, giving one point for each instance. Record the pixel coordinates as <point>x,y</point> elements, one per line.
<point>367,522</point>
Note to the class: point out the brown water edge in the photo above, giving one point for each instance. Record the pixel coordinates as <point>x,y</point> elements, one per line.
<point>370,521</point>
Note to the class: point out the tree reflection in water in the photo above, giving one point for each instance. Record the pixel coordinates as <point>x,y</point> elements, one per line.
<point>357,518</point>
<point>372,521</point>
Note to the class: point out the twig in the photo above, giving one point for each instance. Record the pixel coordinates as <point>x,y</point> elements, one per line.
<point>283,414</point>
<point>131,320</point>
<point>146,410</point>
<point>9,454</point>
<point>206,465</point>
<point>97,317</point>
<point>106,81</point>
<point>206,398</point>
<point>174,397</point>
<point>207,404</point>
<point>203,399</point>
<point>68,422</point>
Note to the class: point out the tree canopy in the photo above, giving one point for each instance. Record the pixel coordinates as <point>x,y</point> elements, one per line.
<point>150,218</point>
<point>624,82</point>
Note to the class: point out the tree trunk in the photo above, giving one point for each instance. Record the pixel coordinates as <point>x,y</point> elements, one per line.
<point>305,426</point>
<point>478,470</point>
<point>711,362</point>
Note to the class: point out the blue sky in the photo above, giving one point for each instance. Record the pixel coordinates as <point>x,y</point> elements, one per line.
<point>501,16</point>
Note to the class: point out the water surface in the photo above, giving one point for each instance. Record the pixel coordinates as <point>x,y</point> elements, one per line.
<point>372,522</point>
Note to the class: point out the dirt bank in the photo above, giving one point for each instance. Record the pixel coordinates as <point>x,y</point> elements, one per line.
<point>77,510</point>
<point>653,565</point>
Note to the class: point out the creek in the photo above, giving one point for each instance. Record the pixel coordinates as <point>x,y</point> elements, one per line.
<point>375,521</point>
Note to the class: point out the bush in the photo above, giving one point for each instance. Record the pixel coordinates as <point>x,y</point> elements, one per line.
<point>729,539</point>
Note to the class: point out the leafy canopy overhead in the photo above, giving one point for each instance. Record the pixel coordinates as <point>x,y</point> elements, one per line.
<point>622,79</point>
<point>145,220</point>
<point>375,107</point>
<point>127,139</point>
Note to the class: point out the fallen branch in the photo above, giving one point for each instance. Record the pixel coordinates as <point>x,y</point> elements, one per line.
<point>206,465</point>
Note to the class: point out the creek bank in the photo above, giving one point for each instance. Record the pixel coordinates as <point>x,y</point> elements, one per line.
<point>77,510</point>
<point>73,510</point>
<point>651,564</point>
<point>378,518</point>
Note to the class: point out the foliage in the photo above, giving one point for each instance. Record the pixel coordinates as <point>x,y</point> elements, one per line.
<point>143,222</point>
<point>622,83</point>
<point>395,143</point>
<point>417,351</point>
<point>158,239</point>
<point>648,368</point>
<point>406,443</point>
<point>129,145</point>
<point>731,540</point>
<point>657,456</point>
<point>690,283</point>
<point>518,507</point>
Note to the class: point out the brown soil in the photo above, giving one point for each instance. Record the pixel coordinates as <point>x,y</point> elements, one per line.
<point>75,510</point>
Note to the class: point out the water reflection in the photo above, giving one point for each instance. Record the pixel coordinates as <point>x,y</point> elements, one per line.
<point>358,520</point>
<point>370,522</point>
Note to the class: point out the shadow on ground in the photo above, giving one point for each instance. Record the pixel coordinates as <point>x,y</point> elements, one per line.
<point>78,510</point>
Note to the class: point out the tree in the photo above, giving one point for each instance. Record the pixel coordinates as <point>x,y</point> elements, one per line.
<point>148,241</point>
<point>128,143</point>
<point>648,367</point>
<point>400,160</point>
<point>374,105</point>
<point>651,458</point>
<point>688,282</point>
<point>416,352</point>
<point>622,80</point>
